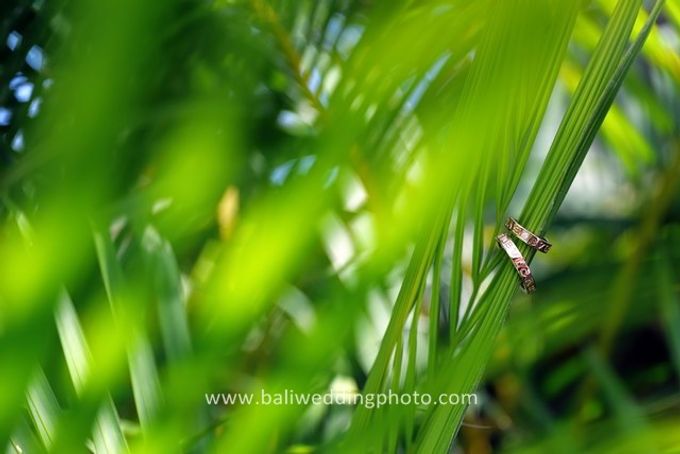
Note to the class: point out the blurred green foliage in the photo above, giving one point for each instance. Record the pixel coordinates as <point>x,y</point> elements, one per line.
<point>246,196</point>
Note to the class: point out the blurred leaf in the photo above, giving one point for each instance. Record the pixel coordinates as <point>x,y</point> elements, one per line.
<point>171,305</point>
<point>140,355</point>
<point>670,307</point>
<point>43,408</point>
<point>107,434</point>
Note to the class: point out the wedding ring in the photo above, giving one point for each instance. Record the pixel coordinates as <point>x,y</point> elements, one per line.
<point>526,236</point>
<point>526,279</point>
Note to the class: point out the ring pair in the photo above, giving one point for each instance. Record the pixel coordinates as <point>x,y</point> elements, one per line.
<point>527,281</point>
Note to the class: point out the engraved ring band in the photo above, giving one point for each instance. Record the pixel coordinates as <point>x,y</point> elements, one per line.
<point>535,241</point>
<point>527,280</point>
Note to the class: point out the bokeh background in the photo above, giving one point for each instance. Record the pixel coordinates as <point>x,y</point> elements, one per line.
<point>205,196</point>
